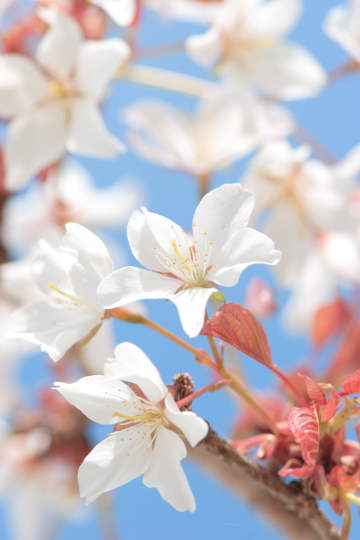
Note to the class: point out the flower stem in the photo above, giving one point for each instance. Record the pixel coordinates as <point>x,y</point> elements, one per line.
<point>346,527</point>
<point>160,50</point>
<point>319,149</point>
<point>208,388</point>
<point>289,384</point>
<point>122,314</point>
<point>168,80</point>
<point>204,184</point>
<point>341,71</point>
<point>237,386</point>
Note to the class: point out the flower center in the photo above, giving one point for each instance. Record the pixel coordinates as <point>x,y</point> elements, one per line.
<point>193,270</point>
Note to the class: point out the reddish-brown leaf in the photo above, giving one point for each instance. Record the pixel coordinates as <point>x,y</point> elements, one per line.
<point>237,326</point>
<point>331,407</point>
<point>314,391</point>
<point>304,425</point>
<point>293,468</point>
<point>329,320</point>
<point>351,384</point>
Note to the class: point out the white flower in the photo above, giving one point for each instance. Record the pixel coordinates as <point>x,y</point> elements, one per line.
<point>224,129</point>
<point>186,10</point>
<point>303,196</point>
<point>69,194</point>
<point>186,270</point>
<point>150,427</point>
<point>69,276</point>
<point>330,263</point>
<point>343,25</point>
<point>38,491</point>
<point>55,104</point>
<point>245,43</point>
<point>121,11</point>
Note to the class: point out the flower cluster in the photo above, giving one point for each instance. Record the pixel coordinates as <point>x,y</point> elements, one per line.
<point>281,234</point>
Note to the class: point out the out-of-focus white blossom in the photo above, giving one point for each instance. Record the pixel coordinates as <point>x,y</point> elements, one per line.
<point>54,104</point>
<point>121,11</point>
<point>68,276</point>
<point>68,195</point>
<point>300,198</point>
<point>187,270</point>
<point>343,25</point>
<point>186,10</point>
<point>245,43</point>
<point>333,261</point>
<point>224,129</point>
<point>148,438</point>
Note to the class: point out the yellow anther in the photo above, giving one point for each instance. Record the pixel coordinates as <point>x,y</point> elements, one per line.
<point>149,416</point>
<point>67,295</point>
<point>184,261</point>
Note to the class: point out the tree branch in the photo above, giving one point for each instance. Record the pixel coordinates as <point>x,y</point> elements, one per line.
<point>287,506</point>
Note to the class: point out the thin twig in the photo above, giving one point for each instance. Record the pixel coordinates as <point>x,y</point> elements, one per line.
<point>287,506</point>
<point>168,80</point>
<point>318,148</point>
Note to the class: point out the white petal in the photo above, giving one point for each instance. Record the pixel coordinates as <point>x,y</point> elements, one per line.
<point>131,364</point>
<point>88,134</point>
<point>162,134</point>
<point>99,397</point>
<point>191,305</point>
<point>342,25</point>
<point>276,18</point>
<point>166,474</point>
<point>193,427</point>
<point>288,71</point>
<point>21,84</point>
<point>50,266</point>
<point>154,240</point>
<point>115,461</point>
<point>97,63</point>
<point>206,48</point>
<point>122,12</point>
<point>247,247</point>
<point>58,49</point>
<point>34,140</point>
<point>90,249</point>
<point>142,242</point>
<point>130,284</point>
<point>54,327</point>
<point>220,215</point>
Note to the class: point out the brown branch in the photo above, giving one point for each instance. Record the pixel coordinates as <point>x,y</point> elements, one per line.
<point>287,506</point>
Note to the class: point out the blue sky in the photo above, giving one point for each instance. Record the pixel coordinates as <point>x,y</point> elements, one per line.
<point>333,117</point>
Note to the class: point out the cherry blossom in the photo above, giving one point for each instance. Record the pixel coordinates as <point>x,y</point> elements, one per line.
<point>343,25</point>
<point>332,261</point>
<point>245,43</point>
<point>121,11</point>
<point>187,10</point>
<point>68,276</point>
<point>304,197</point>
<point>54,103</point>
<point>186,270</point>
<point>69,194</point>
<point>149,429</point>
<point>196,144</point>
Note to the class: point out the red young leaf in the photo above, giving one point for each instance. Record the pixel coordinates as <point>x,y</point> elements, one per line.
<point>331,407</point>
<point>292,468</point>
<point>329,320</point>
<point>237,326</point>
<point>314,391</point>
<point>351,384</point>
<point>304,425</point>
